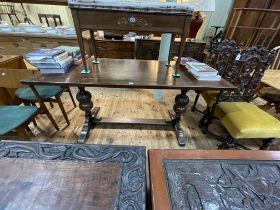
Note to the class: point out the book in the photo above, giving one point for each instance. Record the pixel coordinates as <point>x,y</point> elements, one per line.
<point>57,65</point>
<point>46,53</point>
<point>72,51</point>
<point>56,70</point>
<point>41,59</point>
<point>207,78</point>
<point>185,60</point>
<point>201,69</point>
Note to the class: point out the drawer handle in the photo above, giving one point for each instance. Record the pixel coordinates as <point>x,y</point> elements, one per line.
<point>43,45</point>
<point>133,21</point>
<point>15,44</point>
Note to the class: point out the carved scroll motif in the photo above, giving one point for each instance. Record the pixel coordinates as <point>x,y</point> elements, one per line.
<point>132,160</point>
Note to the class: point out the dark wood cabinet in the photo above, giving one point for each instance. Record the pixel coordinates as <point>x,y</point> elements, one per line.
<point>118,49</point>
<point>147,49</point>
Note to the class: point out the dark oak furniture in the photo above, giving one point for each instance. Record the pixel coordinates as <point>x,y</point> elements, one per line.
<point>242,119</point>
<point>67,176</point>
<point>125,73</point>
<point>148,49</point>
<point>128,48</point>
<point>140,18</point>
<point>205,179</point>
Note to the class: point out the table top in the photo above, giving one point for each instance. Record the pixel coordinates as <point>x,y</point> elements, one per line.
<point>126,73</point>
<point>49,184</point>
<point>205,179</point>
<point>272,78</point>
<point>132,161</point>
<point>133,6</point>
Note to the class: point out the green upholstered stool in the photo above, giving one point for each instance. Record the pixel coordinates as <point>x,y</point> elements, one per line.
<point>14,116</point>
<point>44,91</point>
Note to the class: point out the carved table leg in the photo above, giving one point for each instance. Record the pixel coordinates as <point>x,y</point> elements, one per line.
<point>85,104</point>
<point>179,108</point>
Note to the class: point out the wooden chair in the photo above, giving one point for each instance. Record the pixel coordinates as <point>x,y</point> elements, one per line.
<point>26,95</point>
<point>270,94</point>
<point>56,19</point>
<point>14,117</point>
<point>244,120</point>
<point>220,58</point>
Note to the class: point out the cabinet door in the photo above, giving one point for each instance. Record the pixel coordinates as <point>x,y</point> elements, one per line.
<point>147,49</point>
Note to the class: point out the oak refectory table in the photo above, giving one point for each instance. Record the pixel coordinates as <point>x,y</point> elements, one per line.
<point>51,176</point>
<point>214,179</point>
<point>126,73</point>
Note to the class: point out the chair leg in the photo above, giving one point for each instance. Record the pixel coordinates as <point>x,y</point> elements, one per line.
<point>62,109</point>
<point>21,132</point>
<point>193,109</point>
<point>266,144</point>
<point>46,111</point>
<point>34,122</point>
<point>51,104</point>
<point>205,116</point>
<point>71,96</point>
<point>228,143</point>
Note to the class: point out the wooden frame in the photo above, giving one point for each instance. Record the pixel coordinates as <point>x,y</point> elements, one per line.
<point>159,191</point>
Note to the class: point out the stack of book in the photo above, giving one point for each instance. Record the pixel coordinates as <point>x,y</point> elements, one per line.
<point>50,61</point>
<point>74,52</point>
<point>200,71</point>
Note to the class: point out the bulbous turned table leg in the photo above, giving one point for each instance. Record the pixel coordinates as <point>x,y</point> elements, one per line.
<point>85,104</point>
<point>181,101</point>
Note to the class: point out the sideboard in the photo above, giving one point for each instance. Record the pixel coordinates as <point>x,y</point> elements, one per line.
<point>142,49</point>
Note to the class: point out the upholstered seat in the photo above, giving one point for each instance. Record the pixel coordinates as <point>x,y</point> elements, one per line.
<point>210,97</point>
<point>245,120</point>
<point>14,116</point>
<point>44,91</point>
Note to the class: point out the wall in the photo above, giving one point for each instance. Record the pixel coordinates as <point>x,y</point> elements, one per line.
<point>217,18</point>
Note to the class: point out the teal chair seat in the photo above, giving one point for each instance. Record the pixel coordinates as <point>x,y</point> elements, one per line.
<point>44,91</point>
<point>14,116</point>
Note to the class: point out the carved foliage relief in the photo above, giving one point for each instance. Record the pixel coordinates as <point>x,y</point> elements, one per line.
<point>132,160</point>
<point>212,184</point>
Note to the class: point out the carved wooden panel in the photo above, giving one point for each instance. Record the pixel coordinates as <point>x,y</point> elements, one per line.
<point>132,161</point>
<point>223,184</point>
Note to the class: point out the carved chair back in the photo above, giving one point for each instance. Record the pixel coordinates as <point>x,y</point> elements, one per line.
<point>223,55</point>
<point>247,72</point>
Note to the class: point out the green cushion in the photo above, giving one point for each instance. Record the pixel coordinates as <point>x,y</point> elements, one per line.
<point>14,116</point>
<point>44,91</point>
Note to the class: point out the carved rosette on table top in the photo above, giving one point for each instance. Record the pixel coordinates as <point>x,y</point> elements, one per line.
<point>132,161</point>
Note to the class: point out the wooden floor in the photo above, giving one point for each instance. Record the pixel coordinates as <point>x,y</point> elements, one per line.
<point>134,104</point>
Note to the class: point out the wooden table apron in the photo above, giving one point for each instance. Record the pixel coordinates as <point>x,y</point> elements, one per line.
<point>159,191</point>
<point>126,73</point>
